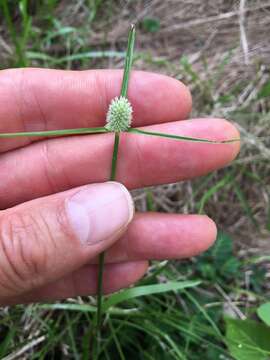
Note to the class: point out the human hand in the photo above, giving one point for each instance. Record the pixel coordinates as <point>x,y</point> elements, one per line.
<point>60,211</point>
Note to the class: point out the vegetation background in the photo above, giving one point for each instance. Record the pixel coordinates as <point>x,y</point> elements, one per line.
<point>221,50</point>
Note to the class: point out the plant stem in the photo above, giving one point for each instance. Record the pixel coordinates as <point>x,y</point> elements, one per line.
<point>102,255</point>
<point>124,89</point>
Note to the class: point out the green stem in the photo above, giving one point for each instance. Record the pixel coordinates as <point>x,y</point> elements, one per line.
<point>124,89</point>
<point>115,156</point>
<point>102,255</point>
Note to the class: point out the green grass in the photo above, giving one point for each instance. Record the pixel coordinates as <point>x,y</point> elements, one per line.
<point>177,323</point>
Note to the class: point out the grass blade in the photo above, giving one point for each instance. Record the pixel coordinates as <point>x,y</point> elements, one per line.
<point>147,290</point>
<point>214,189</point>
<point>204,313</point>
<point>245,205</point>
<point>129,59</point>
<point>79,131</point>
<point>182,138</point>
<point>86,308</point>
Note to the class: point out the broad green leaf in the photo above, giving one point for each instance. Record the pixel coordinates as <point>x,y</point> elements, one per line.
<point>147,290</point>
<point>264,313</point>
<point>248,340</point>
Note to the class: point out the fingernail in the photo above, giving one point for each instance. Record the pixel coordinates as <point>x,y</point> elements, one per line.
<point>97,212</point>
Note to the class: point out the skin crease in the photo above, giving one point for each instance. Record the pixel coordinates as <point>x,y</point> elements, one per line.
<point>59,164</point>
<point>37,99</point>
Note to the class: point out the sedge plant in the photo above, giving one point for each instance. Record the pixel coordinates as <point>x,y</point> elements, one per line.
<point>118,120</point>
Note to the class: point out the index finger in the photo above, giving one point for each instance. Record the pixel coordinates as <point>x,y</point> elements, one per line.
<point>43,99</point>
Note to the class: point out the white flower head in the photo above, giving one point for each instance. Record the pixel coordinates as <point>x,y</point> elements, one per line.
<point>119,115</point>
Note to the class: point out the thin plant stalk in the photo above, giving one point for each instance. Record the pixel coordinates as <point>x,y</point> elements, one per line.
<point>124,89</point>
<point>102,255</point>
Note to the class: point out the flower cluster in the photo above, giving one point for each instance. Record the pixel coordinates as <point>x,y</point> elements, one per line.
<point>119,115</point>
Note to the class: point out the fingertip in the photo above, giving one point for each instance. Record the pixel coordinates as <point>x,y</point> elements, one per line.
<point>209,157</point>
<point>202,233</point>
<point>231,132</point>
<point>227,131</point>
<point>210,232</point>
<point>186,97</point>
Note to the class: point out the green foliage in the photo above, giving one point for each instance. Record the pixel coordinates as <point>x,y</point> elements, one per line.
<point>219,261</point>
<point>248,340</point>
<point>264,313</point>
<point>264,91</point>
<point>257,281</point>
<point>151,25</point>
<point>19,37</point>
<point>138,291</point>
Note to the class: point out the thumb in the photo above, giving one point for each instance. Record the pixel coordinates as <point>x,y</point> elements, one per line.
<point>44,239</point>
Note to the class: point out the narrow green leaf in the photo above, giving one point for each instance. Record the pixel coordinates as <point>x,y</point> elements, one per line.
<point>213,190</point>
<point>34,55</point>
<point>147,290</point>
<point>245,205</point>
<point>87,308</point>
<point>116,341</point>
<point>203,312</point>
<point>182,138</point>
<point>91,55</point>
<point>264,313</point>
<point>55,132</point>
<point>128,61</point>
